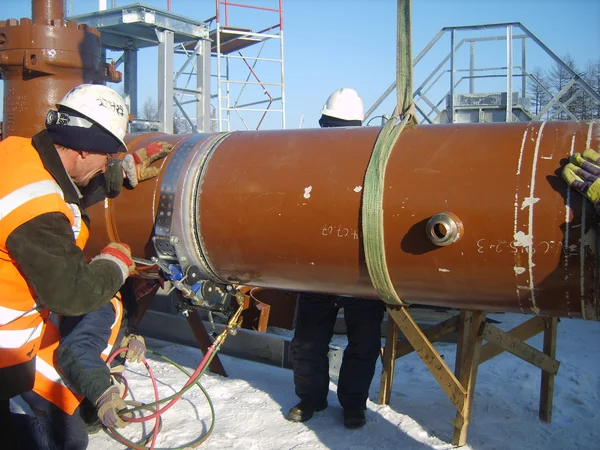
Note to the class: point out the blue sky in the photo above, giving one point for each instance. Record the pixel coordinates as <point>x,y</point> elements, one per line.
<point>352,43</point>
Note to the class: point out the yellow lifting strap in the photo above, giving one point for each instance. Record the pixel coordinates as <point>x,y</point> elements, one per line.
<point>374,183</point>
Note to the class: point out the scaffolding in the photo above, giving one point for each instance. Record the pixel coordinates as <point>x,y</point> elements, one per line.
<point>138,26</point>
<point>245,99</point>
<point>508,104</point>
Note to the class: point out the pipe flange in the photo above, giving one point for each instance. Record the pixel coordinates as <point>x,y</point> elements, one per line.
<point>444,228</point>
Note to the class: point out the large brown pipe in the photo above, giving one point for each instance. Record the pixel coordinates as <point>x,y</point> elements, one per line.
<point>282,209</point>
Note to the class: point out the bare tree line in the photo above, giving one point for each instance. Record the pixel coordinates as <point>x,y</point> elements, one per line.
<point>149,111</point>
<point>544,84</point>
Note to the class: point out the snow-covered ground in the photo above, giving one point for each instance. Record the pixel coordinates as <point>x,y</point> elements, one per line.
<point>251,403</point>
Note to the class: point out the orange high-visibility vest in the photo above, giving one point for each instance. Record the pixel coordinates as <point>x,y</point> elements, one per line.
<point>27,190</point>
<point>48,381</point>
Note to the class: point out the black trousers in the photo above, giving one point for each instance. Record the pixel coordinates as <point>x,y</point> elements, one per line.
<point>315,322</point>
<point>51,428</point>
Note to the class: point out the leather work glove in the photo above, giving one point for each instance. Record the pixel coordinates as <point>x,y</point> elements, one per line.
<point>113,178</point>
<point>137,166</point>
<point>108,405</point>
<point>583,173</point>
<point>137,347</point>
<point>120,254</point>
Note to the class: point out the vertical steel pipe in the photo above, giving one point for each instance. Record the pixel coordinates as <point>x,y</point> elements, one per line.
<point>40,61</point>
<point>281,209</point>
<point>43,12</point>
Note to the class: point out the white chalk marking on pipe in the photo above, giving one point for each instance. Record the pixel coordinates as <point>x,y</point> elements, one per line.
<point>307,192</point>
<point>588,141</point>
<point>516,222</point>
<point>522,240</point>
<point>443,270</point>
<point>529,202</point>
<point>521,152</point>
<point>519,270</point>
<point>358,189</point>
<point>534,308</point>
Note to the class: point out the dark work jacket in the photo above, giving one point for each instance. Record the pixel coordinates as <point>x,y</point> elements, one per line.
<point>55,268</point>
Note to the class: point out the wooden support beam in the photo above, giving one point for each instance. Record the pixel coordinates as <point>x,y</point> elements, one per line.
<point>471,324</point>
<point>462,327</point>
<point>388,360</point>
<point>522,332</point>
<point>432,359</point>
<point>547,386</point>
<point>520,349</point>
<point>433,334</point>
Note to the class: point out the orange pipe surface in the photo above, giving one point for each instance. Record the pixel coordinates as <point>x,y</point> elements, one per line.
<point>282,209</point>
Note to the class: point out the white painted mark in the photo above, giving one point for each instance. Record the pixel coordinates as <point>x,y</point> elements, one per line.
<point>529,202</point>
<point>521,152</point>
<point>588,141</point>
<point>534,307</point>
<point>358,189</point>
<point>516,221</point>
<point>522,240</point>
<point>443,270</point>
<point>519,270</point>
<point>307,192</point>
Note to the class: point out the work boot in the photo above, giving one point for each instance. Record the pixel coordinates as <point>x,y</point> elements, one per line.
<point>354,418</point>
<point>304,410</point>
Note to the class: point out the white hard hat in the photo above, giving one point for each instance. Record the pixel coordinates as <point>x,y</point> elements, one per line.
<point>102,105</point>
<point>345,104</point>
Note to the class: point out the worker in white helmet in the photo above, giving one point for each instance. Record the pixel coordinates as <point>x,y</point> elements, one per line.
<point>316,318</point>
<point>44,186</point>
<point>344,108</point>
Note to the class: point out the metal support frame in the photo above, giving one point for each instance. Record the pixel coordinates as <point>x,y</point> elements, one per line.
<point>203,109</point>
<point>431,111</point>
<point>130,79</point>
<point>165,80</point>
<point>138,26</point>
<point>234,98</point>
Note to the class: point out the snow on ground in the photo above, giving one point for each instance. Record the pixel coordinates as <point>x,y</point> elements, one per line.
<point>251,403</point>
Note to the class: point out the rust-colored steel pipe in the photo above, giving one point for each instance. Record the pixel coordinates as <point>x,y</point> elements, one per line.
<point>41,60</point>
<point>282,209</point>
<point>43,12</point>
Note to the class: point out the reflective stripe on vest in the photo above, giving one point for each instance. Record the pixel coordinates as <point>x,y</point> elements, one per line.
<point>8,315</point>
<point>27,191</point>
<point>15,339</point>
<point>49,383</point>
<point>114,328</point>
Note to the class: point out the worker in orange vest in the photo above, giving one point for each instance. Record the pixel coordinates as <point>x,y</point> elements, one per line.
<point>87,342</point>
<point>43,228</point>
